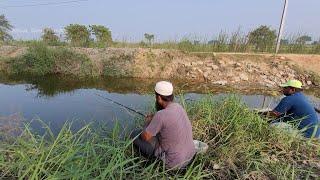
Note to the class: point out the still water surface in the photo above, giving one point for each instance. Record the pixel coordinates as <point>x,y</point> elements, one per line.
<point>56,100</point>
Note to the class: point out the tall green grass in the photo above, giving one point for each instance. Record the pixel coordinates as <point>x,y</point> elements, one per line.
<point>236,41</point>
<point>244,145</point>
<point>241,145</point>
<point>85,154</point>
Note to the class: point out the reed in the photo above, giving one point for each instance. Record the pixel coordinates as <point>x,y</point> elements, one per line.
<point>242,145</point>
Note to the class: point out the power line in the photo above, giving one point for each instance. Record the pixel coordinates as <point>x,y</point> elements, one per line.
<point>43,4</point>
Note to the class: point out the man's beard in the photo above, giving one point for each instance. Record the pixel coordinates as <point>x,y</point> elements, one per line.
<point>158,106</point>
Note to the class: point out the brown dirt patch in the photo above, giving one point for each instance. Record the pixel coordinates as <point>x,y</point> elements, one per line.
<point>307,62</point>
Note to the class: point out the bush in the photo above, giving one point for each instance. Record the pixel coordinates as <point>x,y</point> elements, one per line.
<point>38,60</point>
<point>41,60</point>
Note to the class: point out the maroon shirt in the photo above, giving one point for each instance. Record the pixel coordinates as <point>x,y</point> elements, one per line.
<point>175,136</point>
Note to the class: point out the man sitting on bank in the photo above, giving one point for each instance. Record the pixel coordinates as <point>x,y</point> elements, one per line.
<point>296,107</point>
<point>168,133</point>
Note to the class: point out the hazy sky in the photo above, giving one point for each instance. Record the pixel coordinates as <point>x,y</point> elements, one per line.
<point>167,19</point>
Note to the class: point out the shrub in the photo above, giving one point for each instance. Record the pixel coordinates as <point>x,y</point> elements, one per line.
<point>41,60</point>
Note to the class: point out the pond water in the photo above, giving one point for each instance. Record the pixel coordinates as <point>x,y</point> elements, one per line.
<point>55,100</point>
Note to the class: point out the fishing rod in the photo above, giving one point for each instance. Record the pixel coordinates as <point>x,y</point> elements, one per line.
<point>131,109</point>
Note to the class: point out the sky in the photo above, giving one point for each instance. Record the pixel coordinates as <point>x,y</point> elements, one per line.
<point>166,19</point>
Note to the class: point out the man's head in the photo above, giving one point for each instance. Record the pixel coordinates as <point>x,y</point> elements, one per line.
<point>291,87</point>
<point>164,94</point>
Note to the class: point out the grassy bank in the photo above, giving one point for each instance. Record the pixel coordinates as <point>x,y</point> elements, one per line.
<point>190,45</point>
<point>241,145</point>
<point>235,42</point>
<point>42,60</point>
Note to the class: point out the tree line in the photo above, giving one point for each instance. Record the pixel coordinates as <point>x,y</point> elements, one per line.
<point>80,35</point>
<point>262,39</point>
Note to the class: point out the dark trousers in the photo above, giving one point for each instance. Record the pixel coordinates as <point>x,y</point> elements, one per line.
<point>145,148</point>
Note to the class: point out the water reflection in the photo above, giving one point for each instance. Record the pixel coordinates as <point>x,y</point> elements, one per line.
<point>56,100</point>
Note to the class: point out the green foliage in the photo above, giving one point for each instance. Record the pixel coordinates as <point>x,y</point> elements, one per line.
<point>49,37</point>
<point>78,35</point>
<point>316,49</point>
<point>102,34</point>
<point>263,38</point>
<point>185,45</point>
<point>5,27</point>
<point>41,60</point>
<point>38,60</point>
<point>303,39</point>
<point>143,44</point>
<point>149,37</point>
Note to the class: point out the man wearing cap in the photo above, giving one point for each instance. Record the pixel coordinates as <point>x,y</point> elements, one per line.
<point>296,107</point>
<point>168,133</point>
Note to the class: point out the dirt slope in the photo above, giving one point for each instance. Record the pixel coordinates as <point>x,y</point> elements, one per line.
<point>231,69</point>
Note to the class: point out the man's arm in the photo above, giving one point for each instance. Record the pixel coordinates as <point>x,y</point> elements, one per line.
<point>152,128</point>
<point>148,119</point>
<point>283,107</point>
<point>271,115</point>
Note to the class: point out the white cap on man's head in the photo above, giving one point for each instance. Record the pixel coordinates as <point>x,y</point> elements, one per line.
<point>164,88</point>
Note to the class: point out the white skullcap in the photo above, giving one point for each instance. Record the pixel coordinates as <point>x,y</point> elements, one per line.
<point>164,88</point>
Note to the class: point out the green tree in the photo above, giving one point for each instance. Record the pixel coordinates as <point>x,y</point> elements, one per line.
<point>303,39</point>
<point>78,35</point>
<point>102,34</point>
<point>49,37</point>
<point>5,27</point>
<point>263,38</point>
<point>149,37</point>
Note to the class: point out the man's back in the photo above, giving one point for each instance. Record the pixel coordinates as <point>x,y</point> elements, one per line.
<point>298,107</point>
<point>175,135</point>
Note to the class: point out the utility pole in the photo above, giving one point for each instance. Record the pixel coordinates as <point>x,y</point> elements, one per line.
<point>284,12</point>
